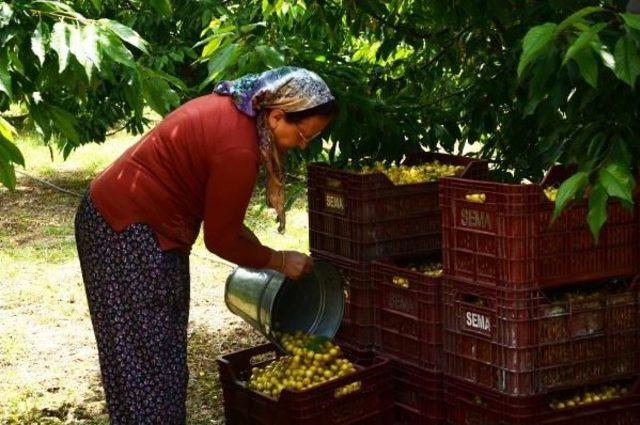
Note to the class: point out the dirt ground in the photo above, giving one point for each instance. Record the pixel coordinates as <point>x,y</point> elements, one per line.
<point>48,361</point>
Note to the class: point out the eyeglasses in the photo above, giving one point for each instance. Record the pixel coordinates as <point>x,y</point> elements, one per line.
<point>304,138</point>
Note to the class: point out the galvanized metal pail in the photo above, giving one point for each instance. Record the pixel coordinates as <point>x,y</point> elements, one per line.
<point>272,304</point>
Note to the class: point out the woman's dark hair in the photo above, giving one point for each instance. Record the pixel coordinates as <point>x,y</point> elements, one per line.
<point>327,109</point>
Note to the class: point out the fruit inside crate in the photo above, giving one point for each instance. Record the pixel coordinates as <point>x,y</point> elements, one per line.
<point>502,234</point>
<point>367,216</point>
<point>407,309</point>
<point>534,341</point>
<point>361,397</point>
<point>615,402</point>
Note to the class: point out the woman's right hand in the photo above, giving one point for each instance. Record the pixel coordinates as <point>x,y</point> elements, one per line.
<point>296,264</point>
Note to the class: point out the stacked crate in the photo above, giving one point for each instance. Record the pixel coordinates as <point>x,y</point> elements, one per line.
<point>515,345</point>
<point>357,218</point>
<point>408,330</point>
<point>367,227</point>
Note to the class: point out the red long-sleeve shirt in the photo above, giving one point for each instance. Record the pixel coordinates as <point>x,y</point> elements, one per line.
<point>199,164</point>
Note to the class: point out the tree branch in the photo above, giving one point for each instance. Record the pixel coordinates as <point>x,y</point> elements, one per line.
<point>455,38</point>
<point>405,30</point>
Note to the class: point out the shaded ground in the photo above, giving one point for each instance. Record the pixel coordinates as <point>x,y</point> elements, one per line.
<point>48,362</point>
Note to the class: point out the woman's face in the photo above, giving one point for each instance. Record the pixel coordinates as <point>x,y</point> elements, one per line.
<point>289,135</point>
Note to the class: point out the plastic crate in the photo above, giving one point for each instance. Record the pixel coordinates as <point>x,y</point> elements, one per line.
<point>372,405</point>
<point>408,322</point>
<point>355,336</point>
<point>358,322</point>
<point>509,241</point>
<point>365,216</point>
<point>524,343</point>
<point>469,405</point>
<point>418,395</point>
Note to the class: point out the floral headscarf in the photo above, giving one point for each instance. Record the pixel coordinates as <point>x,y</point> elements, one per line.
<point>287,88</point>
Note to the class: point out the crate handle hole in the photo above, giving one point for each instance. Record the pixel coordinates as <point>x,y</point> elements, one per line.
<point>400,281</point>
<point>351,388</point>
<point>478,198</point>
<point>475,300</point>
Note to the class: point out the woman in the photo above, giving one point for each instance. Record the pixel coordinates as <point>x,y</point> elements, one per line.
<point>135,228</point>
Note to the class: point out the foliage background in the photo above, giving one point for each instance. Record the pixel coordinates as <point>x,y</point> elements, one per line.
<point>532,83</point>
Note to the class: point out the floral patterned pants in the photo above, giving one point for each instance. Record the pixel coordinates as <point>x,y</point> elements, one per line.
<point>138,298</point>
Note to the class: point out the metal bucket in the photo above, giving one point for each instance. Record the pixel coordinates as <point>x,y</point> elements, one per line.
<point>272,304</point>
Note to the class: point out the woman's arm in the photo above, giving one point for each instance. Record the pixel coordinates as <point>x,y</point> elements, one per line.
<point>248,234</point>
<point>229,188</point>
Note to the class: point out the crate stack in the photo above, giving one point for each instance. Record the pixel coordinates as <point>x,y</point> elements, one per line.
<point>408,330</point>
<point>540,322</point>
<point>370,229</point>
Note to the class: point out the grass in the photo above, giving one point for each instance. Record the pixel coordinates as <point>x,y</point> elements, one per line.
<point>48,361</point>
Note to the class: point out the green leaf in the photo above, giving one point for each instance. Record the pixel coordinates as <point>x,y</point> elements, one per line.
<point>577,17</point>
<point>220,61</point>
<point>37,42</point>
<point>90,44</point>
<point>97,4</point>
<point>160,97</point>
<point>5,78</point>
<point>567,191</point>
<point>65,122</point>
<point>620,153</point>
<point>11,152</point>
<point>15,61</point>
<point>608,59</point>
<point>133,93</point>
<point>9,149</point>
<point>597,215</point>
<point>6,13</point>
<point>59,7</point>
<point>175,81</point>
<point>211,46</point>
<point>7,174</point>
<point>627,66</point>
<point>535,42</point>
<point>163,7</point>
<point>112,46</point>
<point>6,130</point>
<point>126,34</point>
<point>60,44</point>
<point>618,181</point>
<point>632,20</point>
<point>40,119</point>
<point>588,67</point>
<point>270,56</point>
<point>583,41</point>
<point>76,48</point>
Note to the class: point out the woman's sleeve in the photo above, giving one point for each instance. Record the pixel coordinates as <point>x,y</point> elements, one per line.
<point>229,188</point>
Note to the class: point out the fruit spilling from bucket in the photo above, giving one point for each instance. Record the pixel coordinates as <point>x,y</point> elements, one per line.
<point>404,174</point>
<point>309,362</point>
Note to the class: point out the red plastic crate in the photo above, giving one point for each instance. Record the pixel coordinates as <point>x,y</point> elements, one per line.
<point>418,395</point>
<point>523,343</point>
<point>372,405</point>
<point>509,241</point>
<point>355,336</point>
<point>470,405</point>
<point>365,216</point>
<point>408,322</point>
<point>358,321</point>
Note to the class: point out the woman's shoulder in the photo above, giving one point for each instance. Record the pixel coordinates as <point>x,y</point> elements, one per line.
<point>221,123</point>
